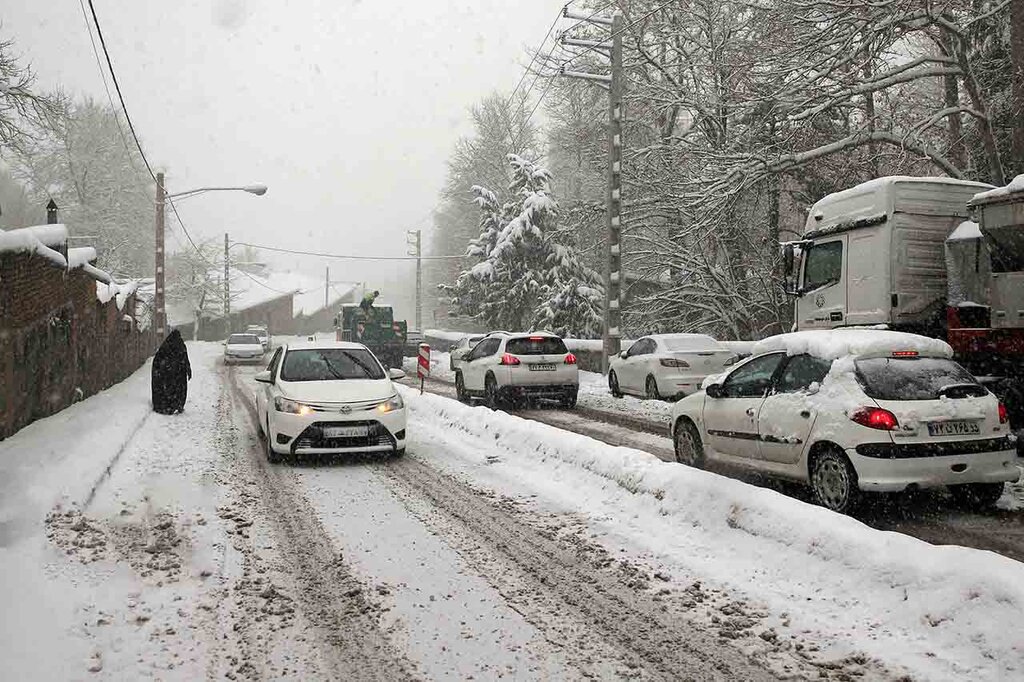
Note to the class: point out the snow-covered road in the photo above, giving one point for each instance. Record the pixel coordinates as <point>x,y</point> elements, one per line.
<point>138,545</point>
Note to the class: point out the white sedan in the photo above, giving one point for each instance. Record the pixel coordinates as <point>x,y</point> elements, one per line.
<point>667,365</point>
<point>329,398</point>
<point>243,348</point>
<point>848,411</point>
<point>458,351</point>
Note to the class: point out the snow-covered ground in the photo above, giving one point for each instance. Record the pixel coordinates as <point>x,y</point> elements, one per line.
<point>140,545</point>
<point>933,612</point>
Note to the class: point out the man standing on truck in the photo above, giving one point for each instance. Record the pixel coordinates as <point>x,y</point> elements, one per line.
<point>368,300</point>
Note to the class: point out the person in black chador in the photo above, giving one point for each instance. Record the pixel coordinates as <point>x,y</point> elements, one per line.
<point>171,372</point>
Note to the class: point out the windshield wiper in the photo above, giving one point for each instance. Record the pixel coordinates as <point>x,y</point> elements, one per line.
<point>367,370</point>
<point>330,368</point>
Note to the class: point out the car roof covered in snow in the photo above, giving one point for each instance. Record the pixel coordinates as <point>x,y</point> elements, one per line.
<point>830,344</point>
<point>323,345</point>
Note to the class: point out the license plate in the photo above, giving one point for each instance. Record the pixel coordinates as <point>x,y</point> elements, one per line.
<point>955,428</point>
<point>346,431</point>
<point>541,367</point>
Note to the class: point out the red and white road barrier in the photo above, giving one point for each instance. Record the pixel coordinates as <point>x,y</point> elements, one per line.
<point>423,364</point>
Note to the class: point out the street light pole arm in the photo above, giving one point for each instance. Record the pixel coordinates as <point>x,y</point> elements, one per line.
<point>258,190</point>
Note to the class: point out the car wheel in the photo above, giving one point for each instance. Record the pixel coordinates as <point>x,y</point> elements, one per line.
<point>569,401</point>
<point>834,482</point>
<point>688,446</point>
<point>491,393</point>
<point>652,389</point>
<point>272,457</point>
<point>613,384</point>
<point>460,388</point>
<point>976,496</point>
<point>400,452</point>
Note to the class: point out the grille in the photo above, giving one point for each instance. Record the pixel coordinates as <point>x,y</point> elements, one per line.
<point>312,436</point>
<point>911,450</point>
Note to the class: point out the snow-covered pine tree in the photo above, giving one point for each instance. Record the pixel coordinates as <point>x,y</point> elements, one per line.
<point>524,276</point>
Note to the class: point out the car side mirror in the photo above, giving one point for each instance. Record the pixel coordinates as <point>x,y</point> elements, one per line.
<point>624,354</point>
<point>714,391</point>
<point>395,374</point>
<point>813,388</point>
<point>452,348</point>
<point>264,377</point>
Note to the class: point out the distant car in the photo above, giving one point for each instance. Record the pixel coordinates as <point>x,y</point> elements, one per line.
<point>667,365</point>
<point>506,367</point>
<point>847,411</point>
<point>243,348</point>
<point>261,333</point>
<point>459,350</point>
<point>329,397</point>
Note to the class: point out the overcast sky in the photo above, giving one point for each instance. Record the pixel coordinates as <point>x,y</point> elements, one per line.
<point>347,110</point>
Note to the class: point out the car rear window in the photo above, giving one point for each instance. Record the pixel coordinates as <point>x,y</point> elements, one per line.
<point>243,339</point>
<point>538,345</point>
<point>916,379</point>
<point>330,364</point>
<point>677,343</point>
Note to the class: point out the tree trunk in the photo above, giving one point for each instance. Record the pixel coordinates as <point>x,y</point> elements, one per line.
<point>988,137</point>
<point>1017,92</point>
<point>955,152</point>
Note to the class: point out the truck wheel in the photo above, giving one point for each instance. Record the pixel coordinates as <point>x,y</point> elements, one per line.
<point>976,496</point>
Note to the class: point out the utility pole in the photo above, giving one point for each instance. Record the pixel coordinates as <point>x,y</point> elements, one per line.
<point>158,278</point>
<point>613,83</point>
<point>227,288</point>
<point>327,285</point>
<point>417,250</point>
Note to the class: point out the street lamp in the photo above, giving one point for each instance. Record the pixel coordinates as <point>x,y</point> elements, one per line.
<point>161,198</point>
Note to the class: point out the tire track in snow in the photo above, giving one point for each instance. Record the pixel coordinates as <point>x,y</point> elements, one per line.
<point>587,609</point>
<point>329,594</point>
<point>105,474</point>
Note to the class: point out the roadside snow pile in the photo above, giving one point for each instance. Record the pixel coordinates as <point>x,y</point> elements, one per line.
<point>1016,185</point>
<point>594,394</point>
<point>830,344</point>
<point>939,612</point>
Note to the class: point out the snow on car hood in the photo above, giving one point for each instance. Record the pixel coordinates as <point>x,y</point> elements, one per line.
<point>344,391</point>
<point>832,344</point>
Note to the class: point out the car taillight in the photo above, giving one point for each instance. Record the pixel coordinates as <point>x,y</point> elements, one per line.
<point>1004,415</point>
<point>509,359</point>
<point>570,359</point>
<point>673,362</point>
<point>876,418</point>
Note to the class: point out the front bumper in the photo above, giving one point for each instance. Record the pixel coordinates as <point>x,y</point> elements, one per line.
<point>892,468</point>
<point>303,434</point>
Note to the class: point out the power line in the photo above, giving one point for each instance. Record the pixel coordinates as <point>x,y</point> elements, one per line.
<point>117,86</point>
<point>299,252</point>
<point>619,32</point>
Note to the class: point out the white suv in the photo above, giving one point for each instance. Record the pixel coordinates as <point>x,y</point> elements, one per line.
<point>508,367</point>
<point>849,411</point>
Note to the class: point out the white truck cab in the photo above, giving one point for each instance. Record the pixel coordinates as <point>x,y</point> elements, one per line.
<point>874,254</point>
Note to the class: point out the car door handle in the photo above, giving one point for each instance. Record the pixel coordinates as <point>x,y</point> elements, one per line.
<point>806,414</point>
<point>750,411</point>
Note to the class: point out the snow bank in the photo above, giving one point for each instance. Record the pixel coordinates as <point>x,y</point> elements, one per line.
<point>832,344</point>
<point>968,229</point>
<point>1016,185</point>
<point>941,612</point>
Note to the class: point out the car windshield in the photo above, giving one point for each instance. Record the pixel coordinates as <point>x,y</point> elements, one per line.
<point>916,379</point>
<point>330,364</point>
<point>536,345</point>
<point>696,342</point>
<point>243,340</point>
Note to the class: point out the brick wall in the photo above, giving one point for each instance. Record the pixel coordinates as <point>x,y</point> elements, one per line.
<point>58,343</point>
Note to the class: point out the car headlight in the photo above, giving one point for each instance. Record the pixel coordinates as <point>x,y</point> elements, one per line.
<point>290,406</point>
<point>393,403</point>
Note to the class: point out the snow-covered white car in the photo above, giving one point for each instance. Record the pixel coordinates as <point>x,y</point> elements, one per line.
<point>509,367</point>
<point>667,365</point>
<point>459,350</point>
<point>329,397</point>
<point>243,348</point>
<point>261,333</point>
<point>852,410</point>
